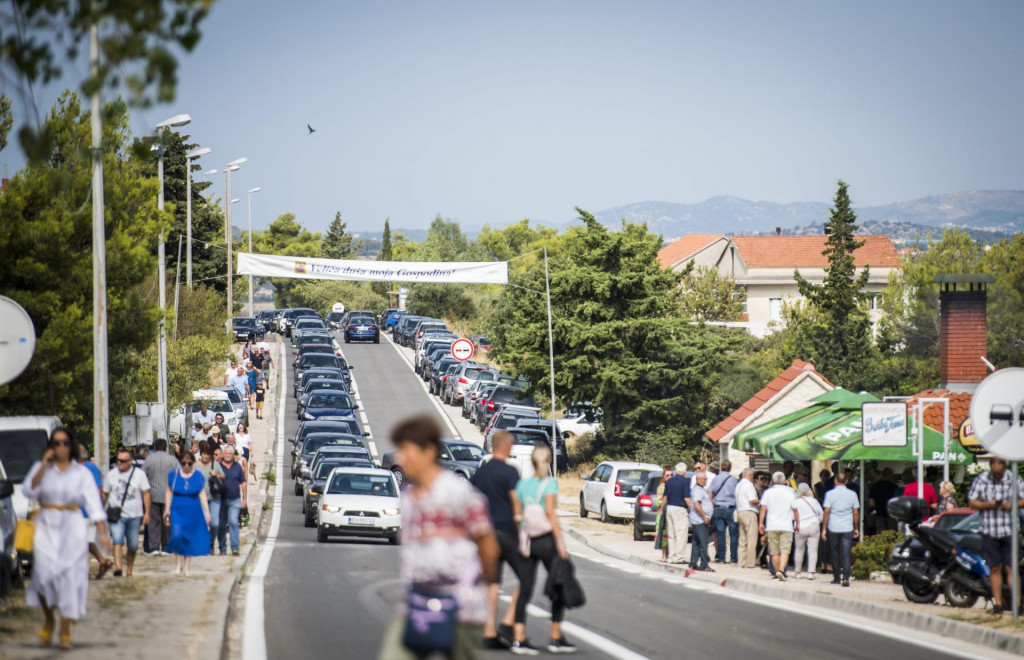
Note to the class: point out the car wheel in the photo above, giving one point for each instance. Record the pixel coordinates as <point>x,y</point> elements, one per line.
<point>638,534</point>
<point>308,522</point>
<point>321,534</point>
<point>376,340</point>
<point>347,340</point>
<point>394,540</point>
<point>464,415</point>
<point>399,476</point>
<point>583,509</point>
<point>298,488</point>
<point>605,518</point>
<point>303,505</point>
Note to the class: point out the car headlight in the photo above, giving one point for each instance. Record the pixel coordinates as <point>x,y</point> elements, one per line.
<point>331,509</point>
<point>392,512</point>
<point>307,416</point>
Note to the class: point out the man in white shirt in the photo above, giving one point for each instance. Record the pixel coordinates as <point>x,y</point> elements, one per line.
<point>127,488</point>
<point>747,505</point>
<point>778,519</point>
<point>204,415</point>
<point>230,372</point>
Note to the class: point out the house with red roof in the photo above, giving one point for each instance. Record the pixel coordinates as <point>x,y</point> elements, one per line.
<point>790,391</point>
<point>763,266</point>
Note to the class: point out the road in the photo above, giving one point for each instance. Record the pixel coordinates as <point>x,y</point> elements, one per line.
<point>325,598</point>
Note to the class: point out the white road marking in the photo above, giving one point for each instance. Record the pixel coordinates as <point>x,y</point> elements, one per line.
<point>600,644</point>
<point>254,645</point>
<point>373,449</point>
<point>447,420</point>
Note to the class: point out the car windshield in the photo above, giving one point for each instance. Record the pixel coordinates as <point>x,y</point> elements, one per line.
<point>466,452</point>
<point>19,449</point>
<point>233,394</point>
<point>319,360</point>
<point>473,373</point>
<point>506,420</point>
<point>324,384</point>
<point>245,323</point>
<point>532,439</point>
<point>362,320</point>
<point>970,524</point>
<point>330,401</point>
<point>309,323</point>
<point>324,469</point>
<point>315,442</point>
<point>349,426</point>
<point>633,478</point>
<point>320,375</point>
<point>347,483</point>
<point>216,405</point>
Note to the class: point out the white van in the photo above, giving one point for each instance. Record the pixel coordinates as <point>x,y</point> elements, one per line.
<point>183,420</point>
<point>22,443</point>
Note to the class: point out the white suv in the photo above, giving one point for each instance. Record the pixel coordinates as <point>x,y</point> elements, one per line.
<point>612,488</point>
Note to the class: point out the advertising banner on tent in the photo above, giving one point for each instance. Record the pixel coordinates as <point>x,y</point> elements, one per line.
<point>312,268</point>
<point>883,424</point>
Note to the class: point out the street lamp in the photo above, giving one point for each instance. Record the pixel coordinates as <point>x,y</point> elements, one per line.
<point>173,122</point>
<point>231,167</point>
<point>252,309</point>
<point>188,206</point>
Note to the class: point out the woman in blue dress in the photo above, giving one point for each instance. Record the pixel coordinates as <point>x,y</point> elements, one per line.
<point>188,514</point>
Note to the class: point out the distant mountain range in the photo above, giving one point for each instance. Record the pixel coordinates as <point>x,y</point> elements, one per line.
<point>989,212</point>
<point>988,215</point>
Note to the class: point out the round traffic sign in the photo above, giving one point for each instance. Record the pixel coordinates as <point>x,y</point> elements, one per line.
<point>17,340</point>
<point>997,413</point>
<point>462,349</point>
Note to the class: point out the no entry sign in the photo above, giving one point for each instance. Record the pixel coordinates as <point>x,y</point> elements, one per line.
<point>462,349</point>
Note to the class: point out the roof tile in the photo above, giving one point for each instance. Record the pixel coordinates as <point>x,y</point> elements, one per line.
<point>686,246</point>
<point>806,251</point>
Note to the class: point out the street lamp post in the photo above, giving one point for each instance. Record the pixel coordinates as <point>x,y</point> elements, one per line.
<point>252,308</point>
<point>173,122</point>
<point>188,206</point>
<point>231,167</point>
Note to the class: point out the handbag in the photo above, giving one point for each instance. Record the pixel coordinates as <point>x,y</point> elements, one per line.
<point>217,487</point>
<point>114,512</point>
<point>431,619</point>
<point>24,534</point>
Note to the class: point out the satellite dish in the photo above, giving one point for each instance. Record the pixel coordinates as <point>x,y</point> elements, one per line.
<point>17,340</point>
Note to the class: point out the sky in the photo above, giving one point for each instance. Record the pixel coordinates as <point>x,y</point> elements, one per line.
<point>488,112</point>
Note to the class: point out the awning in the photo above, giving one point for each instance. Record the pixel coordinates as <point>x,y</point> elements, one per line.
<point>829,429</point>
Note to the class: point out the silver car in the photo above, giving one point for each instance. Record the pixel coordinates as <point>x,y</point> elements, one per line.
<point>456,386</point>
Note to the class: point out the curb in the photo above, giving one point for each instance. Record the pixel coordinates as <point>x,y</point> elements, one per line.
<point>964,632</point>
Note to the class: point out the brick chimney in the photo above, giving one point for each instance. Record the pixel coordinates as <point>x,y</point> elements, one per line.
<point>962,339</point>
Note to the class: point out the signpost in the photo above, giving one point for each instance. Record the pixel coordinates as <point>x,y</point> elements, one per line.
<point>17,340</point>
<point>462,349</point>
<point>997,414</point>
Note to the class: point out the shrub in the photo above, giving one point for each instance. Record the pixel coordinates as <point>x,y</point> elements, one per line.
<point>270,477</point>
<point>872,554</point>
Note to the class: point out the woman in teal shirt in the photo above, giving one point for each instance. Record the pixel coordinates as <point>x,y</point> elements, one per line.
<point>535,509</point>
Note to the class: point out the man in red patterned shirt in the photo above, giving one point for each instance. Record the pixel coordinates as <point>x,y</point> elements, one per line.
<point>448,543</point>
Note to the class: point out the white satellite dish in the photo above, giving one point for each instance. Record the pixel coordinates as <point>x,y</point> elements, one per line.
<point>17,340</point>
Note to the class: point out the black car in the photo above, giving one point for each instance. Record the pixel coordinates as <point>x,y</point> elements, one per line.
<point>248,328</point>
<point>314,384</point>
<point>645,512</point>
<point>399,330</point>
<point>545,425</point>
<point>313,441</point>
<point>333,319</point>
<point>299,386</point>
<point>334,426</point>
<point>318,479</point>
<point>292,315</point>
<point>409,330</point>
<point>439,372</point>
<point>319,361</point>
<point>500,396</point>
<point>462,458</point>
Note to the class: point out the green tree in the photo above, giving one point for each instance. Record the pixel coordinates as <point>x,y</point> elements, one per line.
<point>444,242</point>
<point>46,237</point>
<point>618,339</point>
<point>385,254</point>
<point>709,296</point>
<point>440,301</point>
<point>286,236</point>
<point>402,248</point>
<point>321,295</point>
<point>6,120</point>
<point>839,341</point>
<point>338,243</point>
<point>138,43</point>
<point>1005,262</point>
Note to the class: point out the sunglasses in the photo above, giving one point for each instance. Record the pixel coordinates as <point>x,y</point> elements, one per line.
<point>60,443</point>
<point>124,460</point>
<point>187,463</point>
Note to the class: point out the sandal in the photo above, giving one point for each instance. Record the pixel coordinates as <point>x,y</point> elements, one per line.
<point>104,567</point>
<point>66,643</point>
<point>45,637</point>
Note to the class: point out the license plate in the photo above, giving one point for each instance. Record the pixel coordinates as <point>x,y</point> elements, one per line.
<point>629,505</point>
<point>357,520</point>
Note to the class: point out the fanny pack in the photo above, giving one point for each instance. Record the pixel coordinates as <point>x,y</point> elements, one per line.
<point>431,618</point>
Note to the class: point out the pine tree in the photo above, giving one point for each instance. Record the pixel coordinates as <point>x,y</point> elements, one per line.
<point>839,340</point>
<point>338,243</point>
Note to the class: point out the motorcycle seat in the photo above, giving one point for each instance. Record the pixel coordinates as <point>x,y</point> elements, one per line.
<point>940,537</point>
<point>971,542</point>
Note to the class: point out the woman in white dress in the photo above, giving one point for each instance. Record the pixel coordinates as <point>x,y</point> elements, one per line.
<point>60,547</point>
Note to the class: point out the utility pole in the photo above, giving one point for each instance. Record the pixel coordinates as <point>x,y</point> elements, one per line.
<point>177,289</point>
<point>551,358</point>
<point>227,233</point>
<point>161,269</point>
<point>100,401</point>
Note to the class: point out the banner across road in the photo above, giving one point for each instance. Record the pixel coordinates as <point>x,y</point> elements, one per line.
<point>312,268</point>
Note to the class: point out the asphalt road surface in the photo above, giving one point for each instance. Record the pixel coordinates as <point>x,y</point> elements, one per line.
<point>327,600</point>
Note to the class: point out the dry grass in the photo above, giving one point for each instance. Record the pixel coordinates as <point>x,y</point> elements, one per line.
<point>16,617</point>
<point>119,592</point>
<point>1004,623</point>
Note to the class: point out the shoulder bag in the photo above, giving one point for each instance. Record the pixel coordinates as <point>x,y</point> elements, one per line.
<point>114,512</point>
<point>217,487</point>
<point>431,619</point>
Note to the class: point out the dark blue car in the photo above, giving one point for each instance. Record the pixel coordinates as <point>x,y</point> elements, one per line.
<point>328,403</point>
<point>362,328</point>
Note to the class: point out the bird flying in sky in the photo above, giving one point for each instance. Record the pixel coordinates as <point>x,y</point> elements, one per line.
<point>311,129</point>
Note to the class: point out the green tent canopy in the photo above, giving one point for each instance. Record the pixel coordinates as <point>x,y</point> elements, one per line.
<point>829,429</point>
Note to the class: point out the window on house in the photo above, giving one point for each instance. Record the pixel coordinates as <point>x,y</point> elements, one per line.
<point>775,309</point>
<point>872,302</point>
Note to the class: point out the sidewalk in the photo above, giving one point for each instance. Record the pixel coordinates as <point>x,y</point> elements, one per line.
<point>882,601</point>
<point>155,614</point>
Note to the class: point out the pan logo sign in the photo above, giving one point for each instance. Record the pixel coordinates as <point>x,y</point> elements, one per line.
<point>300,266</point>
